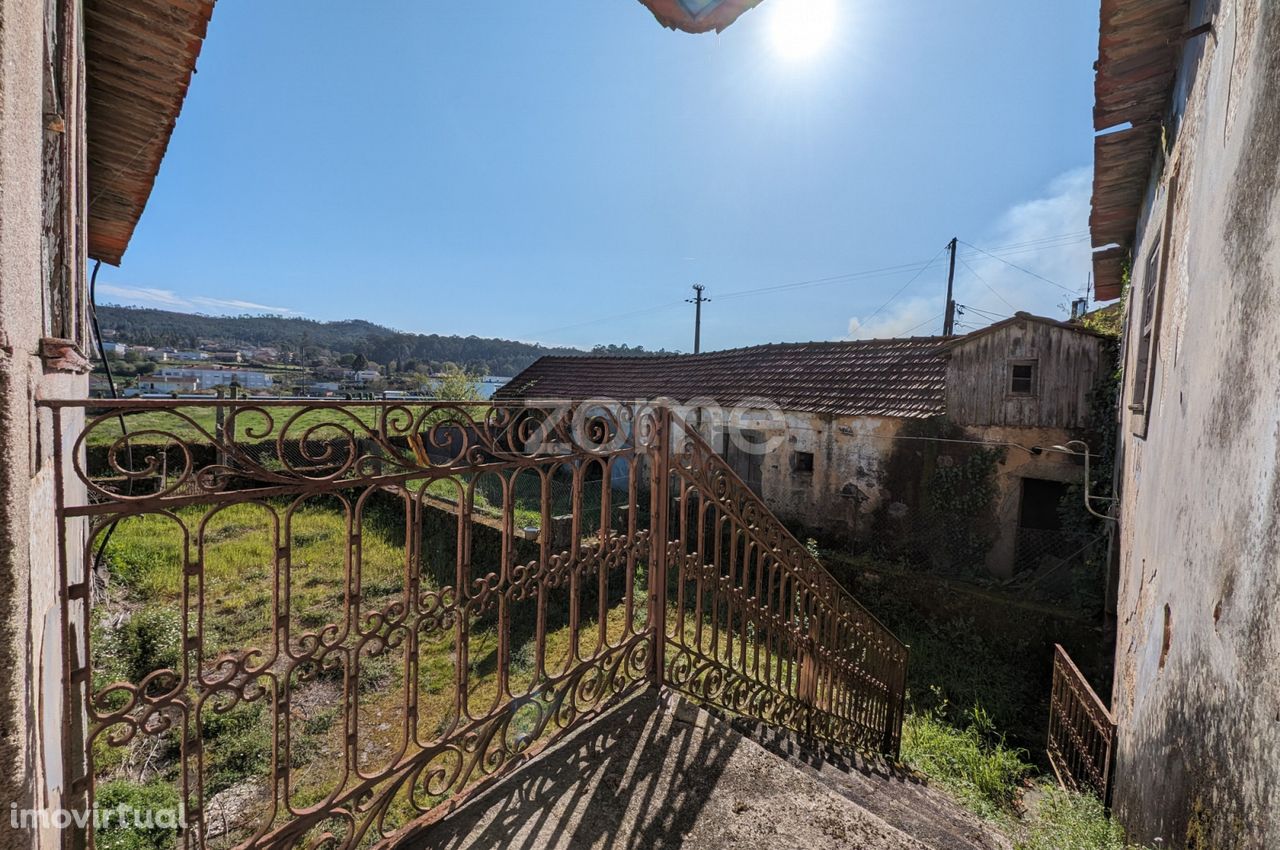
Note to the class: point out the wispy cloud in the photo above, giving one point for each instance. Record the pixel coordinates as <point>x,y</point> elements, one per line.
<point>1046,237</point>
<point>168,298</point>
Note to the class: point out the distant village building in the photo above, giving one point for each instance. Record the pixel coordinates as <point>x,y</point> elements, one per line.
<point>364,376</point>
<point>168,385</point>
<point>865,424</point>
<point>118,349</point>
<point>211,377</point>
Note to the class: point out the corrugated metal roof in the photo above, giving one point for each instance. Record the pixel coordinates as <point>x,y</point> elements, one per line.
<point>885,377</point>
<point>1139,43</point>
<point>698,15</point>
<point>139,58</point>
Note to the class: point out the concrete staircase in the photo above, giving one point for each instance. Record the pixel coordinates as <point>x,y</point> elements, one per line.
<point>657,771</point>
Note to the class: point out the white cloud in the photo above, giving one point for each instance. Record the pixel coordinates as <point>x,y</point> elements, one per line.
<point>1046,236</point>
<point>170,299</point>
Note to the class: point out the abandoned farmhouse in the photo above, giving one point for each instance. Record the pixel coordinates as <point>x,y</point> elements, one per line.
<point>313,622</point>
<point>858,429</point>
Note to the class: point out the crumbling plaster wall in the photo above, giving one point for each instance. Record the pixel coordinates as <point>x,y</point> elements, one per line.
<point>849,452</point>
<point>1197,679</point>
<point>848,483</point>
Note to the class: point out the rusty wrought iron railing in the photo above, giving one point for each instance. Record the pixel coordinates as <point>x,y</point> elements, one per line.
<point>327,622</point>
<point>755,624</point>
<point>1082,731</point>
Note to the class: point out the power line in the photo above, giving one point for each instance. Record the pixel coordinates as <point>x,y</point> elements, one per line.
<point>908,331</point>
<point>987,285</point>
<point>906,285</point>
<point>1021,269</point>
<point>918,268</point>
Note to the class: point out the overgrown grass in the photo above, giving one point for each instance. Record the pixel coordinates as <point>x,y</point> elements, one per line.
<point>1066,821</point>
<point>972,762</point>
<point>975,765</point>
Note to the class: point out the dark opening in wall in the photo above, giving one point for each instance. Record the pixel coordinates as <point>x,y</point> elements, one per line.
<point>802,461</point>
<point>1167,639</point>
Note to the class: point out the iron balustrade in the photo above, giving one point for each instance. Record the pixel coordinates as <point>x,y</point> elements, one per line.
<point>1082,731</point>
<point>329,622</point>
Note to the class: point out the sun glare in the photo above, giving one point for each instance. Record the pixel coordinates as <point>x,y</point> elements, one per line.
<point>801,29</point>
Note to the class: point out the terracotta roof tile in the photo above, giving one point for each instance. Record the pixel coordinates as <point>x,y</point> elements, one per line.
<point>883,377</point>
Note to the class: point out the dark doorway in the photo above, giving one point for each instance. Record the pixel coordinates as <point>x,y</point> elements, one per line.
<point>1041,541</point>
<point>744,451</point>
<point>1040,501</point>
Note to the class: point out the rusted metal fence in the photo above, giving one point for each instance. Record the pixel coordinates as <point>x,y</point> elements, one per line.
<point>1082,731</point>
<point>326,622</point>
<point>756,625</point>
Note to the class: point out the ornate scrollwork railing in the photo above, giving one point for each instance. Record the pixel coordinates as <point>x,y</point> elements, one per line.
<point>303,623</point>
<point>755,624</point>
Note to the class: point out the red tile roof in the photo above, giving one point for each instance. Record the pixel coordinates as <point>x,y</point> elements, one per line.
<point>879,377</point>
<point>139,58</point>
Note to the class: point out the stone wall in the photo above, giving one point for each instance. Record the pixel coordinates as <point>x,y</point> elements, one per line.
<point>1198,656</point>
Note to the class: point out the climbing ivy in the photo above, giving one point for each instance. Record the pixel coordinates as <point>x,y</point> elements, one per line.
<point>961,494</point>
<point>941,493</point>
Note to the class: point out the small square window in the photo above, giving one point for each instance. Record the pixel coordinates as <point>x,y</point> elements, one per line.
<point>802,461</point>
<point>1022,378</point>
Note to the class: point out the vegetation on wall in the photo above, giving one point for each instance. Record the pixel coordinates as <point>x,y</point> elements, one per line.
<point>940,505</point>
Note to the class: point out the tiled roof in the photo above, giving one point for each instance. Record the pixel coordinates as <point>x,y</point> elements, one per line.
<point>879,377</point>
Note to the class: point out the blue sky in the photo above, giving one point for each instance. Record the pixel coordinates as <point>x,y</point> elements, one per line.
<point>525,170</point>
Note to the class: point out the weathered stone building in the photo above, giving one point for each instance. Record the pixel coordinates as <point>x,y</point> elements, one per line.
<point>852,432</point>
<point>89,92</point>
<point>1187,194</point>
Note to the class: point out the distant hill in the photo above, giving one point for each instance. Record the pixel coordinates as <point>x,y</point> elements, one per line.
<point>312,342</point>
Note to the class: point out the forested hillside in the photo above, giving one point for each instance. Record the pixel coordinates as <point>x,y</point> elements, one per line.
<point>314,342</point>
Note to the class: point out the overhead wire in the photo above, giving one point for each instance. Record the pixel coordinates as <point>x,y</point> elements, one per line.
<point>1021,269</point>
<point>1026,246</point>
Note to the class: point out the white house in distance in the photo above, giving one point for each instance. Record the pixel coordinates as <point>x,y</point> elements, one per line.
<point>212,376</point>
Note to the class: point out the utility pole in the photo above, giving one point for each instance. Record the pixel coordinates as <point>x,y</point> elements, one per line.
<point>949,323</point>
<point>697,300</point>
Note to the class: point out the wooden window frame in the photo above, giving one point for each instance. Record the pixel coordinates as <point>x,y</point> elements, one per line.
<point>1034,363</point>
<point>1147,319</point>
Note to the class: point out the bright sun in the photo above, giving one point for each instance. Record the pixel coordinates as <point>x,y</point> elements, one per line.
<point>801,28</point>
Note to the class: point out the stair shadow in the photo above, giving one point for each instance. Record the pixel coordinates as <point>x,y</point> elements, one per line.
<point>637,777</point>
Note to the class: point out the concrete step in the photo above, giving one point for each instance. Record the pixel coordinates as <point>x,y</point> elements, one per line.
<point>656,771</point>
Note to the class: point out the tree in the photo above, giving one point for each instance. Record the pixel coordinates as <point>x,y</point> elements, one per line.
<point>455,384</point>
<point>358,362</point>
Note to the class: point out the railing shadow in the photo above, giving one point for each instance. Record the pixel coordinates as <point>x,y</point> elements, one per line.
<point>638,777</point>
